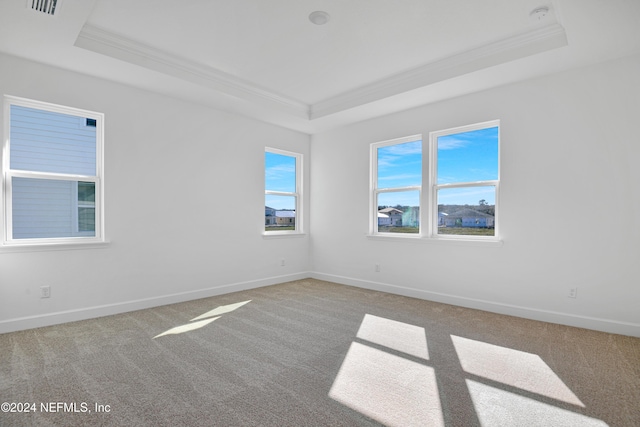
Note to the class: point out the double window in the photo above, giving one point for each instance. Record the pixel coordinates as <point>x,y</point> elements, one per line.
<point>461,182</point>
<point>283,191</point>
<point>52,174</point>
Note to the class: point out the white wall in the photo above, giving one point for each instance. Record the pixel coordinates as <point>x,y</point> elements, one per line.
<point>184,192</point>
<point>569,203</point>
<point>175,171</point>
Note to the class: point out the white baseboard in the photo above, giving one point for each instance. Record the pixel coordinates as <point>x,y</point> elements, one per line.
<point>598,324</point>
<point>594,323</point>
<point>30,322</point>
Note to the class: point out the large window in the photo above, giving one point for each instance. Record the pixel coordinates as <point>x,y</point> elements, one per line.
<point>52,174</point>
<point>462,179</point>
<point>283,191</point>
<point>396,183</point>
<point>465,180</point>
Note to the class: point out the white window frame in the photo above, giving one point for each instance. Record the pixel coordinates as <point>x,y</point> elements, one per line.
<point>375,190</point>
<point>8,174</point>
<point>434,186</point>
<point>297,194</point>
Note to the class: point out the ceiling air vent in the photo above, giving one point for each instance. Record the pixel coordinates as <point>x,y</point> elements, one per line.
<point>45,6</point>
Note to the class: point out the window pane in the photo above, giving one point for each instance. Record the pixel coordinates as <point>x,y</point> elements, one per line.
<point>86,207</point>
<point>87,220</point>
<point>44,208</point>
<point>280,213</point>
<point>280,172</point>
<point>468,211</point>
<point>399,212</point>
<point>87,192</point>
<point>43,141</point>
<point>400,165</point>
<point>468,156</point>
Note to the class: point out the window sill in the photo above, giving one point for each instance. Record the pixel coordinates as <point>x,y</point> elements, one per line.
<point>281,235</point>
<point>437,240</point>
<point>40,247</point>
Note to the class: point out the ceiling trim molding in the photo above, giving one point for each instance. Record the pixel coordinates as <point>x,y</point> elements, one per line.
<point>496,53</point>
<point>110,44</point>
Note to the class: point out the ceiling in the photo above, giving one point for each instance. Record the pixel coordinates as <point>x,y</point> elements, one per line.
<point>266,60</point>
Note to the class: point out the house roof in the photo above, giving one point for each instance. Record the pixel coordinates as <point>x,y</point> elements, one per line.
<point>390,210</point>
<point>286,214</point>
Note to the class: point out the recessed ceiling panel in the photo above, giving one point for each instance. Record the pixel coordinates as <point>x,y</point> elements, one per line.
<point>275,46</point>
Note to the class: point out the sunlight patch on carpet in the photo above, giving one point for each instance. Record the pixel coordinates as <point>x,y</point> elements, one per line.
<point>221,310</point>
<point>515,368</point>
<point>203,319</point>
<point>396,335</point>
<point>390,389</point>
<point>496,407</point>
<point>186,328</point>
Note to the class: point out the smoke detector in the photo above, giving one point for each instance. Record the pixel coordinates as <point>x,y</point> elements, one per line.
<point>319,17</point>
<point>539,13</point>
<point>48,7</point>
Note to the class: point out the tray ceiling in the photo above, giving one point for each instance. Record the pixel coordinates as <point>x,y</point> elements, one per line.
<point>268,61</point>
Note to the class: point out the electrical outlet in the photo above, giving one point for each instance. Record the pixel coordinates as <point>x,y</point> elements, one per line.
<point>282,262</point>
<point>573,293</point>
<point>45,291</point>
<point>377,268</point>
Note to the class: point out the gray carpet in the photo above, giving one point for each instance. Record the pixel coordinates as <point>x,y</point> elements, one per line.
<point>313,353</point>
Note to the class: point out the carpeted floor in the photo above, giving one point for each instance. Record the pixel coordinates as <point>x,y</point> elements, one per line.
<point>313,353</point>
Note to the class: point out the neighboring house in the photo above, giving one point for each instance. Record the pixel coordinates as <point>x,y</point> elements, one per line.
<point>285,217</point>
<point>383,219</point>
<point>442,216</point>
<point>45,141</point>
<point>395,216</point>
<point>467,218</point>
<point>269,216</point>
<point>275,217</point>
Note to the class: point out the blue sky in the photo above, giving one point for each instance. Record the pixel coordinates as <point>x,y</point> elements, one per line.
<point>280,175</point>
<point>400,165</point>
<point>467,196</point>
<point>463,157</point>
<point>469,156</point>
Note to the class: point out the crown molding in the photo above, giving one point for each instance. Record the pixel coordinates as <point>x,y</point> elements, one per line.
<point>498,52</point>
<point>110,44</point>
<point>489,55</point>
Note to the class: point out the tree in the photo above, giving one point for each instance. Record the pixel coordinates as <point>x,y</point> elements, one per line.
<point>482,202</point>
